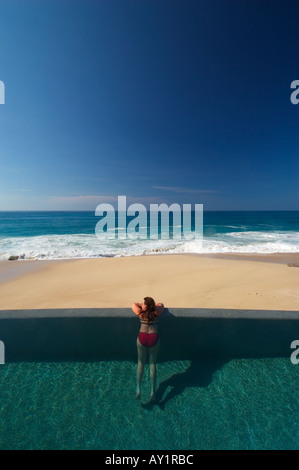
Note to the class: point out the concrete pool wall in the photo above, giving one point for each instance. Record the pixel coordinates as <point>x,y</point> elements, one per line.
<point>110,334</point>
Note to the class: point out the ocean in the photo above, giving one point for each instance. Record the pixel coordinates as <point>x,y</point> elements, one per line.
<point>69,235</point>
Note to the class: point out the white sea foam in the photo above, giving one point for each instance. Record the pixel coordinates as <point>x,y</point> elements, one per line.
<point>247,242</point>
<point>89,246</point>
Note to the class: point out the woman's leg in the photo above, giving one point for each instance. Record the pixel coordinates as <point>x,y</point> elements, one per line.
<point>153,353</point>
<point>142,352</point>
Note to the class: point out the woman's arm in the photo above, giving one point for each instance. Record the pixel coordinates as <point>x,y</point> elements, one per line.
<point>159,308</point>
<point>136,307</point>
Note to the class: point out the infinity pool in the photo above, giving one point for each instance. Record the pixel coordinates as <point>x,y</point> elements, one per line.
<point>202,404</point>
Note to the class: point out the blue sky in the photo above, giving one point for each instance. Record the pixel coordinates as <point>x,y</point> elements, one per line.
<point>161,101</point>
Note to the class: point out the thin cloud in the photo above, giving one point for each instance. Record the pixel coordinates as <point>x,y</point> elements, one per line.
<point>23,190</point>
<point>82,199</point>
<point>177,189</point>
<point>91,201</point>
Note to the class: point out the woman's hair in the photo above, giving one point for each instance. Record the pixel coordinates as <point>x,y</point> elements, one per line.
<point>149,313</point>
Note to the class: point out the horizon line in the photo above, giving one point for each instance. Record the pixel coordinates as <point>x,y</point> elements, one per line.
<point>192,210</point>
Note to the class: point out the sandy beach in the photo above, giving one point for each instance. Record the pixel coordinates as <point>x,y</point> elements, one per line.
<point>268,282</point>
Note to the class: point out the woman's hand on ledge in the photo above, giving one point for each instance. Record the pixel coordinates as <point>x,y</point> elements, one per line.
<point>159,308</point>
<point>136,307</point>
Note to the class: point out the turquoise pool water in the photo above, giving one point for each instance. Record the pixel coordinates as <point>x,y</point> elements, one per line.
<point>235,404</point>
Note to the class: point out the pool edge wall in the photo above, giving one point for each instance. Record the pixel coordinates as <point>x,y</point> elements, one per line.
<point>110,334</point>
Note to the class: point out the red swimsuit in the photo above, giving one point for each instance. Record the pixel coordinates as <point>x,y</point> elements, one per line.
<point>148,339</point>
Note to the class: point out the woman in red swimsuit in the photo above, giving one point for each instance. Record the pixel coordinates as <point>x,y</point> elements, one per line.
<point>148,339</point>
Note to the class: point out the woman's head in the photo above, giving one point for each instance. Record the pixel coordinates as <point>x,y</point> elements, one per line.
<point>148,304</point>
<point>148,308</point>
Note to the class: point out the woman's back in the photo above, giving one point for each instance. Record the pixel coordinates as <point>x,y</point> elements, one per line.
<point>148,323</point>
<point>148,326</point>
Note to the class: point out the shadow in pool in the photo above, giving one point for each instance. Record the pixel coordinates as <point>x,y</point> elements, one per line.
<point>198,374</point>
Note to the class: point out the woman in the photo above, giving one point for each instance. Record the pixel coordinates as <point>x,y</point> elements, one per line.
<point>148,339</point>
